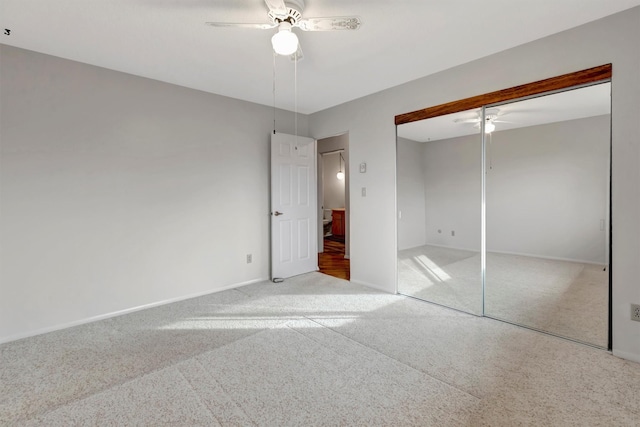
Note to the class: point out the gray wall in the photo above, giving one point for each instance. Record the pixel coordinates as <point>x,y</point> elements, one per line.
<point>411,191</point>
<point>453,192</point>
<point>119,192</point>
<point>370,123</point>
<point>546,191</point>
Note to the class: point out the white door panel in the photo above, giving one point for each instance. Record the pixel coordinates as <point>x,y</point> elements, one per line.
<point>293,206</point>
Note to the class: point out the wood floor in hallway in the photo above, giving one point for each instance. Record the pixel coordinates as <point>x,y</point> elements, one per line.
<point>332,260</point>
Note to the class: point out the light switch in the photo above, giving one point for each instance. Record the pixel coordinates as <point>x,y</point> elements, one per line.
<point>364,191</point>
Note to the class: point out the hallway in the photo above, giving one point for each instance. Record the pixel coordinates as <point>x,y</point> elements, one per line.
<point>332,260</point>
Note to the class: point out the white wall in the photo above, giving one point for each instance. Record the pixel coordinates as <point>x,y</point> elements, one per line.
<point>547,190</point>
<point>453,192</point>
<point>119,191</point>
<point>370,123</point>
<point>411,192</point>
<point>333,187</point>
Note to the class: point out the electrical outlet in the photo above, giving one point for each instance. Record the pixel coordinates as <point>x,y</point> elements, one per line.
<point>249,258</point>
<point>635,312</point>
<point>453,233</point>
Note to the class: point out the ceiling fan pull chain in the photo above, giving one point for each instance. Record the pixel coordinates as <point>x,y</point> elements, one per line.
<point>274,93</point>
<point>295,95</point>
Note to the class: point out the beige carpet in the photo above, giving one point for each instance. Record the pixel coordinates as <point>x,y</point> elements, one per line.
<point>449,277</point>
<point>312,351</point>
<point>565,298</point>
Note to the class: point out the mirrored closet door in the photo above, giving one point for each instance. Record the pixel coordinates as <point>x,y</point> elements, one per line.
<point>547,213</point>
<point>439,213</point>
<point>504,206</point>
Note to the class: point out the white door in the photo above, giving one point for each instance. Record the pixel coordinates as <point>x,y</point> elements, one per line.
<point>294,248</point>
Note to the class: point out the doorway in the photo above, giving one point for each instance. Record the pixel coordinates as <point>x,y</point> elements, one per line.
<point>333,206</point>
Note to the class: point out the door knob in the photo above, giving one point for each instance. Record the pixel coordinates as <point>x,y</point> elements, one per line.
<point>277,213</point>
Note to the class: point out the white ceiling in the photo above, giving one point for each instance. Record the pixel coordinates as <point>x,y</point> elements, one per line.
<point>558,107</point>
<point>399,41</point>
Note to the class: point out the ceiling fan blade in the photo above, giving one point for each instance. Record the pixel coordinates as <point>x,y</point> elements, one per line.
<point>329,24</point>
<point>241,25</point>
<point>277,8</point>
<point>476,120</point>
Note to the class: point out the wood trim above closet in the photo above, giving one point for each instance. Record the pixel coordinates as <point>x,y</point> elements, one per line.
<point>590,75</point>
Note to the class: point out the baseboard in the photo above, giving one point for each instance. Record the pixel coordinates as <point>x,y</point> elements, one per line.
<point>552,258</point>
<point>626,355</point>
<point>459,248</point>
<point>125,311</point>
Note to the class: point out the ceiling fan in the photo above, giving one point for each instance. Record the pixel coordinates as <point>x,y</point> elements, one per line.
<point>285,15</point>
<point>492,116</point>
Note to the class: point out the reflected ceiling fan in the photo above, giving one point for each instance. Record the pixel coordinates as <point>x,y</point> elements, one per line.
<point>285,15</point>
<point>492,116</point>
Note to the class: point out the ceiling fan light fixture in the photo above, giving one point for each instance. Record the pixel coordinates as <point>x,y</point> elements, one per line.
<point>489,127</point>
<point>285,42</point>
<point>340,174</point>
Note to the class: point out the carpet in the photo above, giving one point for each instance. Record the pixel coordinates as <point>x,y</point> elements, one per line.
<point>569,299</point>
<point>313,351</point>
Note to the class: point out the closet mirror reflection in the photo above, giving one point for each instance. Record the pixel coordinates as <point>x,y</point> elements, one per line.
<point>503,211</point>
<point>547,213</point>
<point>439,187</point>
